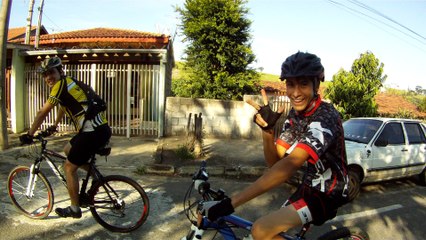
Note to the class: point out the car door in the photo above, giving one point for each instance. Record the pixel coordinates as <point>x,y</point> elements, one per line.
<point>416,148</point>
<point>389,153</point>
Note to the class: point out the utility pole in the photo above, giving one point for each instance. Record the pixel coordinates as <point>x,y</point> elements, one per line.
<point>40,13</point>
<point>29,20</point>
<point>4,26</point>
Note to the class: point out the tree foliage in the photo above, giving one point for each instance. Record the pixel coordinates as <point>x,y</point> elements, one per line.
<point>218,53</point>
<point>353,92</point>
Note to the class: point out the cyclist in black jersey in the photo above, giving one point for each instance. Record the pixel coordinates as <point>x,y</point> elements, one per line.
<point>312,134</point>
<point>92,133</point>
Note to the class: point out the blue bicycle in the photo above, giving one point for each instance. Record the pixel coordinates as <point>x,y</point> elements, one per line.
<point>225,225</point>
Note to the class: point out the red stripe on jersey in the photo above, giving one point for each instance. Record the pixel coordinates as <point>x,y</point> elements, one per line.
<point>332,185</point>
<point>284,144</point>
<point>317,104</point>
<point>299,204</point>
<point>309,150</point>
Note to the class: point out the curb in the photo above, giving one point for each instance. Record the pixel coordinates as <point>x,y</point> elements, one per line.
<point>161,169</point>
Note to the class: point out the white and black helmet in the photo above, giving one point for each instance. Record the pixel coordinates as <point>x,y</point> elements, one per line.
<point>47,64</point>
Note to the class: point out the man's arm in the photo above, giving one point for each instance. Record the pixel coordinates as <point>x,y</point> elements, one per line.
<point>61,114</point>
<point>41,115</point>
<point>272,152</point>
<point>280,172</point>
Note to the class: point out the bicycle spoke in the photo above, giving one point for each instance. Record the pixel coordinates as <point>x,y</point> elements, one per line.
<point>40,204</point>
<point>120,204</point>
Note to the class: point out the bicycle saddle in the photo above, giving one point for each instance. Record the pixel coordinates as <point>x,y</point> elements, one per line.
<point>104,150</point>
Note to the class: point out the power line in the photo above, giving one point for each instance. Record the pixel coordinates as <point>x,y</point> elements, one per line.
<point>357,12</point>
<point>51,21</point>
<point>383,15</point>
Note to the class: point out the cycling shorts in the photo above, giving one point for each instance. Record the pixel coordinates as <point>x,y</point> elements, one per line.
<point>85,144</point>
<point>312,205</point>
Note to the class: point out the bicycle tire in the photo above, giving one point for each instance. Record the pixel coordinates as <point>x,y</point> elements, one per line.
<point>353,233</point>
<point>123,214</point>
<point>41,204</point>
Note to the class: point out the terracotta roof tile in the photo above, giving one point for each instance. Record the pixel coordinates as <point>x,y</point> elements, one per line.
<point>101,35</point>
<point>17,32</point>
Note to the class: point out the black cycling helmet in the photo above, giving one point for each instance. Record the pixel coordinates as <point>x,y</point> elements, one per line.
<point>302,65</point>
<point>47,64</point>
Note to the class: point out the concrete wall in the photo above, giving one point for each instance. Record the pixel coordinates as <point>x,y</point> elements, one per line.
<point>224,119</point>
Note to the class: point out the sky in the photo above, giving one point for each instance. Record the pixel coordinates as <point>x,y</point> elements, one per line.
<point>338,31</point>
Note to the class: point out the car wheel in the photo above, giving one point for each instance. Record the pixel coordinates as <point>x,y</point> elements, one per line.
<point>422,177</point>
<point>354,184</point>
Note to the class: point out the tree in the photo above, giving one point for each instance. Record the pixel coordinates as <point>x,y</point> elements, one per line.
<point>219,53</point>
<point>420,90</point>
<point>353,92</point>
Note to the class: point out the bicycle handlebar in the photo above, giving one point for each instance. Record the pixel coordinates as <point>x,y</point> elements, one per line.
<point>42,134</point>
<point>201,184</point>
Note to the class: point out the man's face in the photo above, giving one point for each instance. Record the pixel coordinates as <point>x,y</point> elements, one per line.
<point>51,77</point>
<point>300,91</point>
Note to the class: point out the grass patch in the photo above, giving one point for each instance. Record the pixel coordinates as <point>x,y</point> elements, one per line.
<point>184,153</point>
<point>269,77</point>
<point>140,170</point>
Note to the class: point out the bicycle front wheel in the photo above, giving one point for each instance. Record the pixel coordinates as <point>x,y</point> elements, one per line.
<point>119,203</point>
<point>36,205</point>
<point>349,233</point>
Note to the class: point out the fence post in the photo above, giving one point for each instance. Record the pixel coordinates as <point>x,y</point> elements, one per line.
<point>128,94</point>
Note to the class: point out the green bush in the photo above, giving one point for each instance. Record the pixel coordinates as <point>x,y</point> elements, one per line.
<point>184,153</point>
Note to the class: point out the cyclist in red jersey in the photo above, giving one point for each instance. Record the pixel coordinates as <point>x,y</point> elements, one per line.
<point>312,134</point>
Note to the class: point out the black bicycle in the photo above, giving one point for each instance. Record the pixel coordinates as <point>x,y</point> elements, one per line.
<point>117,202</point>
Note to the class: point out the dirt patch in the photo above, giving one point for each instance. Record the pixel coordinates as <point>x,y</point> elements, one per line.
<point>393,104</point>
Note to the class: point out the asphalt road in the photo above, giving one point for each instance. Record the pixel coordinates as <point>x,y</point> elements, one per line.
<point>390,210</point>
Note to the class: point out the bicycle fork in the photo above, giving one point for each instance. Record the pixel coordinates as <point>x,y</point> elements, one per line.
<point>31,182</point>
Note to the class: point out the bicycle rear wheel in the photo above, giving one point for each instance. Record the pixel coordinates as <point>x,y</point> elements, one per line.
<point>353,233</point>
<point>119,203</point>
<point>37,206</point>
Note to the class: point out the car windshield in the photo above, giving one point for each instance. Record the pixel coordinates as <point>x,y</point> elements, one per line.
<point>360,130</point>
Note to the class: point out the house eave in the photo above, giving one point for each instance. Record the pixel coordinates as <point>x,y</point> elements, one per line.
<point>88,51</point>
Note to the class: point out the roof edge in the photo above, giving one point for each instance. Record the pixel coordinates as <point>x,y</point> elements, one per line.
<point>81,51</point>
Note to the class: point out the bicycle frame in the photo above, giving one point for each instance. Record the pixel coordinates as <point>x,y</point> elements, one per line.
<point>47,155</point>
<point>225,224</point>
<point>35,167</point>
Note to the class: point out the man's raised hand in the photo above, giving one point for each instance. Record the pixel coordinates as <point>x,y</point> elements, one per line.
<point>265,118</point>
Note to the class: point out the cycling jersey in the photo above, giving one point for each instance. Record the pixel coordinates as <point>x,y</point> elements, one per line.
<point>73,101</point>
<point>320,133</point>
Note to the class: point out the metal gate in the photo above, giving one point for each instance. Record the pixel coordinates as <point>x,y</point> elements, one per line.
<point>132,92</point>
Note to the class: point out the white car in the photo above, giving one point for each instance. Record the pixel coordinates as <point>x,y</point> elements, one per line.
<point>379,149</point>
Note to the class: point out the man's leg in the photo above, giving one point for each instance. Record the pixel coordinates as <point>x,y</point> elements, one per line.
<point>72,182</point>
<point>73,188</point>
<point>269,226</point>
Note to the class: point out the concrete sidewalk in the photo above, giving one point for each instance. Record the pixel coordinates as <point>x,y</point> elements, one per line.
<point>224,157</point>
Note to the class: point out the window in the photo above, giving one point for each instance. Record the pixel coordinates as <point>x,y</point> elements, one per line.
<point>392,134</point>
<point>361,130</point>
<point>414,133</point>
